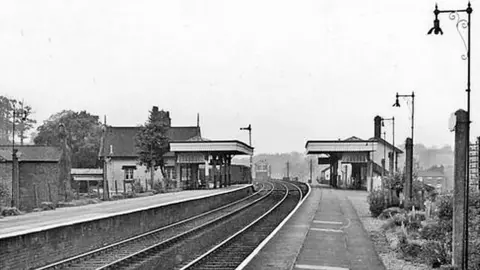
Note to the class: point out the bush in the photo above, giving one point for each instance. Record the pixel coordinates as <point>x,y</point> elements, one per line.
<point>390,212</point>
<point>4,193</point>
<point>47,206</point>
<point>11,211</point>
<point>434,254</point>
<point>118,196</point>
<point>445,207</point>
<point>158,187</point>
<point>376,200</point>
<point>409,251</point>
<point>138,188</point>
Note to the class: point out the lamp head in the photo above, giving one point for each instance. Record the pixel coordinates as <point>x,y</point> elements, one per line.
<point>436,23</point>
<point>397,103</point>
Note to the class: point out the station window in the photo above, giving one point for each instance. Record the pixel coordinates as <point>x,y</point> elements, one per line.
<point>128,173</point>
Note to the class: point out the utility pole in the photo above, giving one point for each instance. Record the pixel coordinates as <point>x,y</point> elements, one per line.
<point>288,170</point>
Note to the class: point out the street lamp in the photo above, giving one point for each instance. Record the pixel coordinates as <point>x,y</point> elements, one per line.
<point>393,141</point>
<point>465,24</point>
<point>23,116</point>
<point>410,176</point>
<point>249,128</point>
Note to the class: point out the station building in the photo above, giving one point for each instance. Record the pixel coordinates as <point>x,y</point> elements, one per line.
<point>355,162</point>
<point>193,161</point>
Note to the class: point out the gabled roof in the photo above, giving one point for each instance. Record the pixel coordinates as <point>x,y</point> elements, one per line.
<point>122,139</point>
<point>32,153</point>
<point>382,141</point>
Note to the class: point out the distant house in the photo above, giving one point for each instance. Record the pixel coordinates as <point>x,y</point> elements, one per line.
<point>434,178</point>
<point>39,172</point>
<point>122,164</point>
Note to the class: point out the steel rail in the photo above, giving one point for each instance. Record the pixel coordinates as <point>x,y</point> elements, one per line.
<point>107,248</point>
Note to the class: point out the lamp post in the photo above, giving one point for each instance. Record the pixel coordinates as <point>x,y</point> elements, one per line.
<point>410,176</point>
<point>465,24</point>
<point>249,128</point>
<point>393,142</point>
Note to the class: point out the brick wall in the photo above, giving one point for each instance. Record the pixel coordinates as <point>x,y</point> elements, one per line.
<point>6,179</point>
<point>34,177</point>
<point>39,178</point>
<point>37,249</point>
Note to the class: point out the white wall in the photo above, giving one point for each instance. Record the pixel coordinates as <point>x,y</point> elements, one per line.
<point>115,172</point>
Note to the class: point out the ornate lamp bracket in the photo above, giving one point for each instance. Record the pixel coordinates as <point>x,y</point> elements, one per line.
<point>461,25</point>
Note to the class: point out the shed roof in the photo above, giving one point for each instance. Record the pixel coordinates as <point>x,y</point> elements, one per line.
<point>31,153</point>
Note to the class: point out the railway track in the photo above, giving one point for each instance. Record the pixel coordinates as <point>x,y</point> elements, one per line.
<point>123,252</point>
<point>233,251</point>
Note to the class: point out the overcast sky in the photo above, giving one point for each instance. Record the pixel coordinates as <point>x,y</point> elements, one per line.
<point>296,70</point>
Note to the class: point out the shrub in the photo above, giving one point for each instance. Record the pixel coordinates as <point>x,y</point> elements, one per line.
<point>158,187</point>
<point>407,249</point>
<point>434,254</point>
<point>10,211</point>
<point>390,212</point>
<point>118,196</point>
<point>376,200</point>
<point>47,206</point>
<point>445,207</point>
<point>138,188</point>
<point>4,194</point>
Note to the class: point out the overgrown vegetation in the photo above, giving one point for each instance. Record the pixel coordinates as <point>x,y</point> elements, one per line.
<point>428,240</point>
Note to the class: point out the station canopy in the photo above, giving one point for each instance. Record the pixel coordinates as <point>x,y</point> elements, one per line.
<point>226,147</point>
<point>336,147</point>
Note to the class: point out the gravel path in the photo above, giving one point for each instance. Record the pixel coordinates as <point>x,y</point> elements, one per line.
<point>372,226</point>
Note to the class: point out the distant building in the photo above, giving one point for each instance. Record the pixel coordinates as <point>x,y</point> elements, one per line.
<point>356,162</point>
<point>122,164</point>
<point>38,174</point>
<point>85,178</point>
<point>262,170</point>
<point>434,177</point>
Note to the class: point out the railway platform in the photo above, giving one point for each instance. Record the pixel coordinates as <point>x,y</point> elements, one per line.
<point>325,233</point>
<point>41,221</point>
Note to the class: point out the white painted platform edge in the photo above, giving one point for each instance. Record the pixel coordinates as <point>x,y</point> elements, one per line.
<point>272,234</point>
<point>318,267</point>
<point>103,216</point>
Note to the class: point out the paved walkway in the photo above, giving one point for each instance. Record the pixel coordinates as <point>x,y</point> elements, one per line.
<point>37,221</point>
<point>324,234</point>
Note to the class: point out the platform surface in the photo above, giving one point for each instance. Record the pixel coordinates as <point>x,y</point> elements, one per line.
<point>324,234</point>
<point>37,221</point>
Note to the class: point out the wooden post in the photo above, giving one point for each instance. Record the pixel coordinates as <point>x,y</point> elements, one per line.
<point>146,184</point>
<point>459,218</point>
<point>88,188</point>
<point>124,187</point>
<point>229,181</point>
<point>116,187</point>
<point>49,192</point>
<point>408,189</point>
<point>98,189</point>
<point>35,194</point>
<point>223,171</point>
<point>214,169</point>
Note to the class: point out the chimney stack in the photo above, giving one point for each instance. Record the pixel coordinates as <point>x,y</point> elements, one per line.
<point>378,127</point>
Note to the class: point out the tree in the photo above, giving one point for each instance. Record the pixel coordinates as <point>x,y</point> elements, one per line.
<point>83,134</point>
<point>25,123</point>
<point>5,119</point>
<point>23,120</point>
<point>152,142</point>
